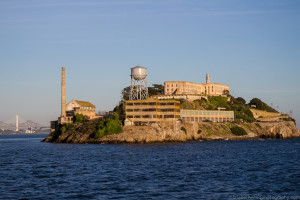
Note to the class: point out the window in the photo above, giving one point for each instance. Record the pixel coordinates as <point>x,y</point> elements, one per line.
<point>170,103</point>
<point>149,109</point>
<point>169,116</point>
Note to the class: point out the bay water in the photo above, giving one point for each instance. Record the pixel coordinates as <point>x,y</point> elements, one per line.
<point>258,169</point>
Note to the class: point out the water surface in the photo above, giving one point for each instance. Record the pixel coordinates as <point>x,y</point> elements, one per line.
<point>30,169</point>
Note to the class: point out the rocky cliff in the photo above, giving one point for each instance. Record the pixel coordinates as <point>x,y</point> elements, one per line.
<point>177,131</point>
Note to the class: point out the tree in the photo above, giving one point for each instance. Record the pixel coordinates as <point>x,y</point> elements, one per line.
<point>79,118</point>
<point>225,92</point>
<point>156,89</point>
<point>240,101</point>
<point>125,94</point>
<point>260,105</point>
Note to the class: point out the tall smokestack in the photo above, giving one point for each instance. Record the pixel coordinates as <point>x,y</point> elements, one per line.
<point>17,123</point>
<point>63,93</point>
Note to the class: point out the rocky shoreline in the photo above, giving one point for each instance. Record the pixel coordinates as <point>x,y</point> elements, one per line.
<point>182,132</point>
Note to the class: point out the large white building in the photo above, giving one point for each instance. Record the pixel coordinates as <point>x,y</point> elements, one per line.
<point>189,88</point>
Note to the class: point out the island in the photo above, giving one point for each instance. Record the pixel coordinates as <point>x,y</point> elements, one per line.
<point>177,111</point>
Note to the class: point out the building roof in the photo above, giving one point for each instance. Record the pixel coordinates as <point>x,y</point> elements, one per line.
<point>85,103</point>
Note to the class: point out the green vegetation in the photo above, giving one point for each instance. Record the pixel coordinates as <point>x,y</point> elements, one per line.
<point>239,131</point>
<point>209,132</point>
<point>258,125</point>
<point>120,109</point>
<point>109,126</point>
<point>94,129</point>
<point>199,131</point>
<point>261,105</point>
<point>79,118</point>
<point>156,89</point>
<point>238,105</point>
<point>244,115</point>
<point>219,101</point>
<point>183,129</point>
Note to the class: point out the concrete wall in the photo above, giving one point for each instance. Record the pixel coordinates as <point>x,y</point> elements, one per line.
<point>268,116</point>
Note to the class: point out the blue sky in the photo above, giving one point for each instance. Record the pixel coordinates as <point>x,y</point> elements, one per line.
<point>254,46</point>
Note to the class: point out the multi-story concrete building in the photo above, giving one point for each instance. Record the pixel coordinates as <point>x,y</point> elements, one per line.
<point>152,111</point>
<point>189,88</point>
<point>212,115</point>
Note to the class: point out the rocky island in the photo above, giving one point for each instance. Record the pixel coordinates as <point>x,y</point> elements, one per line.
<point>249,124</point>
<point>179,111</point>
<point>181,132</point>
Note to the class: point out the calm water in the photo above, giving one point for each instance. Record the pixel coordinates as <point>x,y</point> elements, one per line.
<point>30,169</point>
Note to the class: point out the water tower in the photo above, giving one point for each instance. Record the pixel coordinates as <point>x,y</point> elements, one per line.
<point>138,85</point>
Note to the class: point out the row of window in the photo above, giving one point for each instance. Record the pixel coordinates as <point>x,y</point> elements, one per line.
<point>172,85</point>
<point>220,113</point>
<point>153,110</point>
<point>153,116</point>
<point>153,103</point>
<point>214,119</point>
<point>86,108</point>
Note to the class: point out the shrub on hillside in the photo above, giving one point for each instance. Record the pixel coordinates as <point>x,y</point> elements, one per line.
<point>219,101</point>
<point>260,105</point>
<point>79,118</point>
<point>236,130</point>
<point>109,126</point>
<point>183,129</point>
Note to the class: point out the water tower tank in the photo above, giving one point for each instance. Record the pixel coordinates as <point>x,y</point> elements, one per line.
<point>139,73</point>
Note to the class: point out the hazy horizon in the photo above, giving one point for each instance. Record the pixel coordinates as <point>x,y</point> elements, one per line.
<point>253,46</point>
